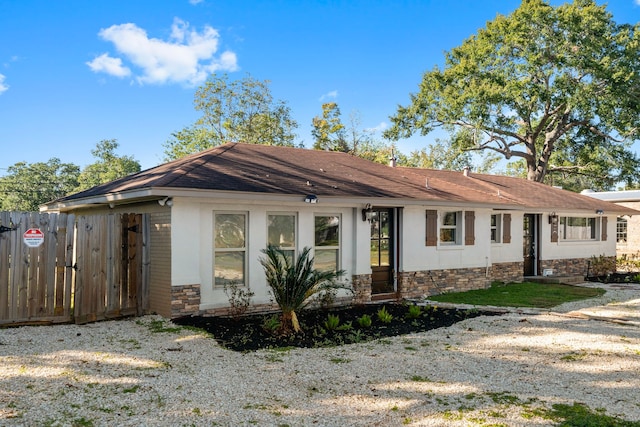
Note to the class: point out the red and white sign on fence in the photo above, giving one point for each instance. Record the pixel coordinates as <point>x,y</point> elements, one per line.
<point>33,237</point>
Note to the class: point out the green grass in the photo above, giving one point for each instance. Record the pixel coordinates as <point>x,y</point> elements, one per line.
<point>524,294</point>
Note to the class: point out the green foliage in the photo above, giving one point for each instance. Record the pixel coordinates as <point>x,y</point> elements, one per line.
<point>27,186</point>
<point>525,294</point>
<point>294,283</point>
<point>581,415</point>
<point>271,323</point>
<point>364,321</point>
<point>554,86</point>
<point>328,130</point>
<point>384,316</point>
<point>108,166</point>
<point>332,322</point>
<point>414,312</point>
<point>233,111</point>
<point>601,265</point>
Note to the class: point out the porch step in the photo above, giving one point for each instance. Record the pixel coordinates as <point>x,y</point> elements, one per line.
<point>567,280</point>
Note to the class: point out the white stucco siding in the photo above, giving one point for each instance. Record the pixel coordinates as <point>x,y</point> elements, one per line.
<point>193,235</point>
<point>186,243</point>
<point>577,249</point>
<point>416,256</point>
<point>509,252</point>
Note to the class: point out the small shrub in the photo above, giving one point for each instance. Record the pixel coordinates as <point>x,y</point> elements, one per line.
<point>602,265</point>
<point>332,322</point>
<point>414,312</point>
<point>364,321</point>
<point>384,316</point>
<point>239,298</point>
<point>272,323</point>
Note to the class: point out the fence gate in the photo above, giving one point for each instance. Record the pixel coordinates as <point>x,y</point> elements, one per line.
<point>79,269</point>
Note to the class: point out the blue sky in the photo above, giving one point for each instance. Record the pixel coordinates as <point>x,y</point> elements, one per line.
<point>74,72</point>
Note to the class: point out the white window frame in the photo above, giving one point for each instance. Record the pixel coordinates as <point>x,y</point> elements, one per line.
<point>496,229</point>
<point>573,235</point>
<point>244,249</point>
<point>286,249</point>
<point>457,228</point>
<point>622,223</point>
<point>338,247</point>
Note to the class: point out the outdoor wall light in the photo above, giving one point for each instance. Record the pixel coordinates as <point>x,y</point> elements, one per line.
<point>367,213</point>
<point>166,201</point>
<point>599,212</point>
<point>553,218</point>
<point>311,198</point>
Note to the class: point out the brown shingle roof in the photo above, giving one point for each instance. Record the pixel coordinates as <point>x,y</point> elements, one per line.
<point>267,169</point>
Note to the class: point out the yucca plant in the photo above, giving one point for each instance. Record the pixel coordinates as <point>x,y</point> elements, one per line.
<point>294,282</point>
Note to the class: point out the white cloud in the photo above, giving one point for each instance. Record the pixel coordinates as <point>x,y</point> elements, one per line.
<point>194,2</point>
<point>106,64</point>
<point>333,95</point>
<point>379,128</point>
<point>3,86</point>
<point>187,57</point>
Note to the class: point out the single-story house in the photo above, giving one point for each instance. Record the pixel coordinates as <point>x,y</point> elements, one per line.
<point>397,232</point>
<point>627,226</point>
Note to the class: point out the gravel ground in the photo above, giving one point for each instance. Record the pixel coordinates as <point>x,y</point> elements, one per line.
<point>483,371</point>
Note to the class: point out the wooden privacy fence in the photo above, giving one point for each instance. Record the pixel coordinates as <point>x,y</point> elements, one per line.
<point>86,268</point>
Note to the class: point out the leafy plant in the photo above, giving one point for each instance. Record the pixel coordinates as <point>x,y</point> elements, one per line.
<point>294,283</point>
<point>384,316</point>
<point>332,322</point>
<point>364,321</point>
<point>602,265</point>
<point>414,311</point>
<point>271,323</point>
<point>239,298</point>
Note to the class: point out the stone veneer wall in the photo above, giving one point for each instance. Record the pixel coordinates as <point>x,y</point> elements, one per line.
<point>185,300</point>
<point>569,267</point>
<point>419,284</point>
<point>361,285</point>
<point>507,272</point>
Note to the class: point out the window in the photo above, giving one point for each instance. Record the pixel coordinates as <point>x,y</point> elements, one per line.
<point>282,232</point>
<point>381,238</point>
<point>495,228</point>
<point>229,248</point>
<point>450,228</point>
<point>577,228</point>
<point>327,242</point>
<point>621,230</point>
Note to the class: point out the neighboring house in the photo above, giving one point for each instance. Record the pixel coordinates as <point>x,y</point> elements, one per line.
<point>397,232</point>
<point>627,226</point>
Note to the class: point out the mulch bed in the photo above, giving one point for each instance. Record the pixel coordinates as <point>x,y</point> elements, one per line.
<point>248,333</point>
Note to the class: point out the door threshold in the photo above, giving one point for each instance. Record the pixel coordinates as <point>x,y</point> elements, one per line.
<point>391,296</point>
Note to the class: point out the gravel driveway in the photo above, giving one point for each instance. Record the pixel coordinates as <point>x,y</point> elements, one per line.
<point>483,371</point>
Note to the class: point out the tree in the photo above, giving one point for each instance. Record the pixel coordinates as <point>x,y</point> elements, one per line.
<point>27,186</point>
<point>328,130</point>
<point>108,166</point>
<point>233,111</point>
<point>544,84</point>
<point>293,283</point>
<point>440,155</point>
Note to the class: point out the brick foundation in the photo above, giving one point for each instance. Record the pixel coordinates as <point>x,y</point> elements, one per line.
<point>185,300</point>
